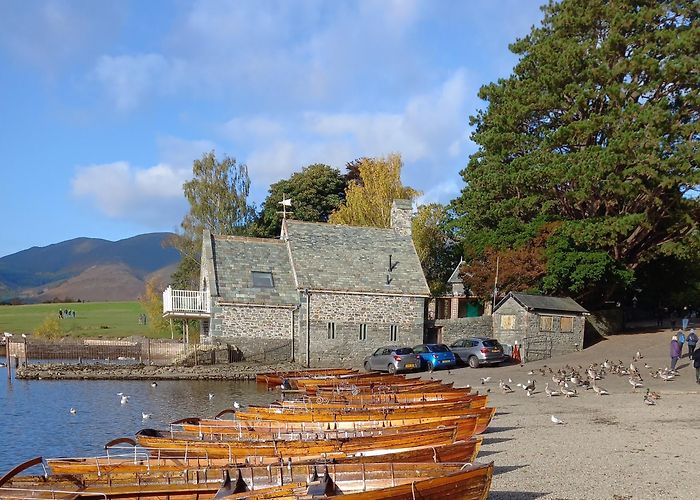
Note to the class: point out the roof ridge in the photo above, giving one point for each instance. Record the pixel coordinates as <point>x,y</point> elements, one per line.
<point>249,239</point>
<point>329,224</point>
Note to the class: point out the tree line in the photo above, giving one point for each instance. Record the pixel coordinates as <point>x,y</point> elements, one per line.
<point>585,179</point>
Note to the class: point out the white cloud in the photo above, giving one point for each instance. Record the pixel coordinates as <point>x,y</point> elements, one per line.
<point>150,196</point>
<point>429,131</point>
<point>131,79</point>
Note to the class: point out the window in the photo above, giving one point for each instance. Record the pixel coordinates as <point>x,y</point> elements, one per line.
<point>546,323</point>
<point>508,322</point>
<point>262,279</point>
<point>393,333</point>
<point>566,324</point>
<point>363,332</point>
<point>331,330</point>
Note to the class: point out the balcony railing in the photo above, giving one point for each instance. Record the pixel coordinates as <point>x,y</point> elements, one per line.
<point>185,302</point>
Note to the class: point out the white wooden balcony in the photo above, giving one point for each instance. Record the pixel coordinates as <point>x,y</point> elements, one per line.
<point>186,304</point>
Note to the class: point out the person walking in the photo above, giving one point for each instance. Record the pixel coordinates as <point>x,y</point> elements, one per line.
<point>675,351</point>
<point>692,341</point>
<point>681,340</point>
<point>696,365</point>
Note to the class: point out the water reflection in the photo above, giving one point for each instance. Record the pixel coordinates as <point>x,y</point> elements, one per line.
<point>38,420</point>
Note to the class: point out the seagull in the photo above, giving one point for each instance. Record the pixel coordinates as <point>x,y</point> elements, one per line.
<point>599,390</point>
<point>236,405</point>
<point>569,393</point>
<point>154,384</point>
<point>73,411</point>
<point>211,396</point>
<point>529,393</point>
<point>485,379</point>
<point>635,385</point>
<point>555,420</point>
<point>125,399</point>
<point>145,416</point>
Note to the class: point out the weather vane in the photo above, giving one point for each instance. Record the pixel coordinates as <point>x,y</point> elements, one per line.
<point>286,202</point>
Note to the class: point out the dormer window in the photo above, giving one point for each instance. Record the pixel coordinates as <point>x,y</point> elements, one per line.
<point>262,279</point>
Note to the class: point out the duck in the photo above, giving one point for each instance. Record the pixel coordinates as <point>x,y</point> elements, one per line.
<point>649,401</point>
<point>652,394</point>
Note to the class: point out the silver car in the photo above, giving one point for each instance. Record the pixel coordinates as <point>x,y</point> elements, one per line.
<point>392,359</point>
<point>477,351</point>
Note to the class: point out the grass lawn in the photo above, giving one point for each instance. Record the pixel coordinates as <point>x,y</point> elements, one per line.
<point>92,319</point>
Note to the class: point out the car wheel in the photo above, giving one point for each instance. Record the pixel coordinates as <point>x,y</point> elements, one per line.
<point>367,367</point>
<point>392,369</point>
<point>431,366</point>
<point>473,362</point>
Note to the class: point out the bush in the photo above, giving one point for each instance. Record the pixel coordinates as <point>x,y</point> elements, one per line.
<point>50,328</point>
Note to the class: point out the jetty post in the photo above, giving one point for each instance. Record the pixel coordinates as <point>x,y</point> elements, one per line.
<point>8,336</point>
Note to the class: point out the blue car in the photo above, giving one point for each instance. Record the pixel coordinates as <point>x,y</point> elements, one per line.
<point>434,356</point>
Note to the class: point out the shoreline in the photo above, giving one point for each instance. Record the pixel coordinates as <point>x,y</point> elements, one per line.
<point>235,371</point>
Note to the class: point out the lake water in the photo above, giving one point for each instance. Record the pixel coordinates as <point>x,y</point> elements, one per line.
<point>37,420</point>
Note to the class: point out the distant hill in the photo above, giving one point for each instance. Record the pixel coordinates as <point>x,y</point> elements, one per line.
<point>87,269</point>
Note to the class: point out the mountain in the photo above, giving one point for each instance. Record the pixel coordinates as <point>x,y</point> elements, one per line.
<point>87,269</point>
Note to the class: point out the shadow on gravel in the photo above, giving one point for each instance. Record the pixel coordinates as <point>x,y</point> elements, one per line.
<point>495,440</point>
<point>512,495</point>
<point>483,453</point>
<point>492,430</point>
<point>499,413</point>
<point>502,469</point>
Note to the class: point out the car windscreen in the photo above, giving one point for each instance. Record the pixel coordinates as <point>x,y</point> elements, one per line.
<point>439,348</point>
<point>491,343</point>
<point>404,350</point>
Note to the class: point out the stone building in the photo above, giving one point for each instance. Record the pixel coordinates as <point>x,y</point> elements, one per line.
<point>322,294</point>
<point>543,326</point>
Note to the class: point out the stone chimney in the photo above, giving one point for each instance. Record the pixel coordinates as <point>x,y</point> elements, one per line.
<point>401,216</point>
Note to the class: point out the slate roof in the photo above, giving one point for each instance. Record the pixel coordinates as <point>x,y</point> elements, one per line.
<point>545,303</point>
<point>235,257</point>
<point>356,259</point>
<point>454,277</point>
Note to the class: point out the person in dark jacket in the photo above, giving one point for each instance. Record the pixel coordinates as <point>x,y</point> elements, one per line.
<point>675,351</point>
<point>696,364</point>
<point>692,341</point>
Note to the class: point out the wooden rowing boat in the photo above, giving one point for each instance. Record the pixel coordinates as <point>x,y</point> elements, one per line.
<point>256,429</point>
<point>276,378</point>
<point>353,481</point>
<point>393,397</point>
<point>238,450</point>
<point>469,401</point>
<point>421,385</point>
<point>143,460</point>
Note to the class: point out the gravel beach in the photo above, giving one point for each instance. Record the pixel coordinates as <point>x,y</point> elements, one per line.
<point>611,446</point>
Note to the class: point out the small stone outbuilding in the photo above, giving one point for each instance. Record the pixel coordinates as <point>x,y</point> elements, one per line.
<point>543,326</point>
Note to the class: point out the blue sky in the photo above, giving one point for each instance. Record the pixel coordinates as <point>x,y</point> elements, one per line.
<point>104,105</point>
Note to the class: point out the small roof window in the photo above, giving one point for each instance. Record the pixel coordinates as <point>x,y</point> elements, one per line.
<point>262,279</point>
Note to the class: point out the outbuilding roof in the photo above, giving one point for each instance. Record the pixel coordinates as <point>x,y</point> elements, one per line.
<point>544,303</point>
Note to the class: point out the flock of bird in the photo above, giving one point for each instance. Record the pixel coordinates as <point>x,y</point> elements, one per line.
<point>569,380</point>
<point>124,400</point>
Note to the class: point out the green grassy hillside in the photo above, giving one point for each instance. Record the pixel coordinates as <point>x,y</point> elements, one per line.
<point>93,319</point>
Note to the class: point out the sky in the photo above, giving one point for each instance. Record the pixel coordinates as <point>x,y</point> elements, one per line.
<point>104,105</point>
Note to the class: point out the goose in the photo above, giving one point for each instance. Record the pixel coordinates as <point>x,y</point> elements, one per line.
<point>504,387</point>
<point>635,385</point>
<point>599,390</point>
<point>633,369</point>
<point>530,385</point>
<point>557,421</point>
<point>73,411</point>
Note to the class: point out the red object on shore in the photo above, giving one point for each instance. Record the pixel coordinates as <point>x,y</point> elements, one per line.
<point>516,354</point>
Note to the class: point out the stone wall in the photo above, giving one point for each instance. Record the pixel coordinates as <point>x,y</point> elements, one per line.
<point>455,329</point>
<point>261,333</point>
<point>347,312</point>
